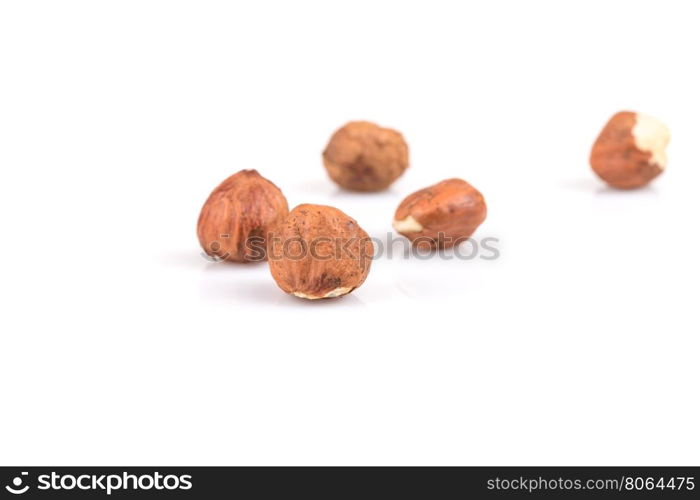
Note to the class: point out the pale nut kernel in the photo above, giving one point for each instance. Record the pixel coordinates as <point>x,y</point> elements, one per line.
<point>442,215</point>
<point>238,215</point>
<point>630,150</point>
<point>362,156</point>
<point>318,252</point>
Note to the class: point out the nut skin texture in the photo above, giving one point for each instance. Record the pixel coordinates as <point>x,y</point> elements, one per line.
<point>617,156</point>
<point>319,252</point>
<point>362,156</point>
<point>441,215</point>
<point>238,215</point>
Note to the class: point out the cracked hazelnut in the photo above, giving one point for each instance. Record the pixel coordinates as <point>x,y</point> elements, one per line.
<point>362,156</point>
<point>441,215</point>
<point>238,215</point>
<point>319,252</point>
<point>631,150</point>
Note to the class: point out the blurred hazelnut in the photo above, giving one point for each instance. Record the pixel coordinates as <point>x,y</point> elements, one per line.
<point>319,252</point>
<point>236,218</point>
<point>362,156</point>
<point>441,215</point>
<point>631,150</point>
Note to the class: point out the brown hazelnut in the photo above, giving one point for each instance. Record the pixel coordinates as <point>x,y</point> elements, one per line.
<point>630,150</point>
<point>362,156</point>
<point>319,252</point>
<point>238,215</point>
<point>441,215</point>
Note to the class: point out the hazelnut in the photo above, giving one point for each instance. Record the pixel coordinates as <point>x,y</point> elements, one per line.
<point>362,156</point>
<point>441,215</point>
<point>238,215</point>
<point>630,150</point>
<point>319,252</point>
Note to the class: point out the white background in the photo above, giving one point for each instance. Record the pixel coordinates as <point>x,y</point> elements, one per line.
<point>122,345</point>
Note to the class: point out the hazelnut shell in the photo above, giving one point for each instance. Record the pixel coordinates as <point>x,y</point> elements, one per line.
<point>441,215</point>
<point>630,150</point>
<point>319,252</point>
<point>362,156</point>
<point>238,215</point>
